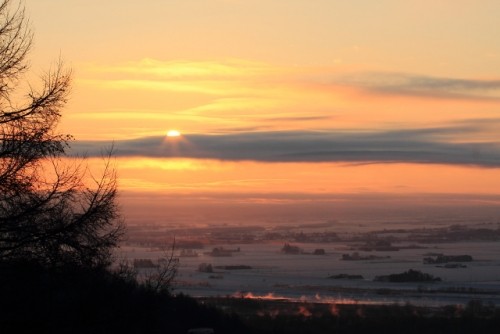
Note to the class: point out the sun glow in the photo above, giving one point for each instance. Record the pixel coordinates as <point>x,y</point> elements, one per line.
<point>173,133</point>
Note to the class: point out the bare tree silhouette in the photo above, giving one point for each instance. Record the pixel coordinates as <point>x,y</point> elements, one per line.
<point>51,211</point>
<point>162,278</point>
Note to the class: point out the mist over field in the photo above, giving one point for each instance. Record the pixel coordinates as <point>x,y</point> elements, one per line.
<point>377,211</point>
<point>339,246</point>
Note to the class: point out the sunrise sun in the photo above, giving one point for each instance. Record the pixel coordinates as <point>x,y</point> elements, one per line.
<point>173,133</point>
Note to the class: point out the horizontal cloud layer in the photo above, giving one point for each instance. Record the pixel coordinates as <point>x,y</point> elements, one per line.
<point>420,85</point>
<point>246,78</point>
<point>434,145</point>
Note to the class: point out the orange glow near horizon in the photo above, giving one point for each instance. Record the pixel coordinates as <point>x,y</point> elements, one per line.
<point>275,99</point>
<point>190,176</point>
<point>230,75</point>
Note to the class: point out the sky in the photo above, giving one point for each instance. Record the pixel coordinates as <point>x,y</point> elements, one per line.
<point>282,102</point>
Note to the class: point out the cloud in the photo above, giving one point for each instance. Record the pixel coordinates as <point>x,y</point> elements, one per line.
<point>440,145</point>
<point>238,78</point>
<point>298,118</point>
<point>420,85</point>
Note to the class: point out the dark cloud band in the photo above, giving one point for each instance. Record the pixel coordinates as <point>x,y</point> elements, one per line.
<point>435,146</point>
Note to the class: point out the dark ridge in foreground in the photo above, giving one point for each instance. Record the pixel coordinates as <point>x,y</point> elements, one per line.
<point>34,299</point>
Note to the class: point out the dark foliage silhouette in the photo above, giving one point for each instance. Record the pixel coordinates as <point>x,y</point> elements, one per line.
<point>37,299</point>
<point>51,211</point>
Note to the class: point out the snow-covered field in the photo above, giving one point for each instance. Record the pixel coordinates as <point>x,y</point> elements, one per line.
<point>274,274</point>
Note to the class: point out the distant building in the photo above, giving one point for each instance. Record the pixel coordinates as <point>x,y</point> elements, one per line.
<point>205,268</point>
<point>319,251</point>
<point>447,258</point>
<point>289,249</point>
<point>222,252</point>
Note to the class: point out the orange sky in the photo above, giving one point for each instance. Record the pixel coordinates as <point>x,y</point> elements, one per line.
<point>374,75</point>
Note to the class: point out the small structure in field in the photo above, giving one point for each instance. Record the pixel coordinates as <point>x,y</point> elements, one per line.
<point>319,251</point>
<point>290,249</point>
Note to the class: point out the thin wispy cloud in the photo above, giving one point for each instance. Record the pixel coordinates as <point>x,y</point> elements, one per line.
<point>214,78</point>
<point>421,85</point>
